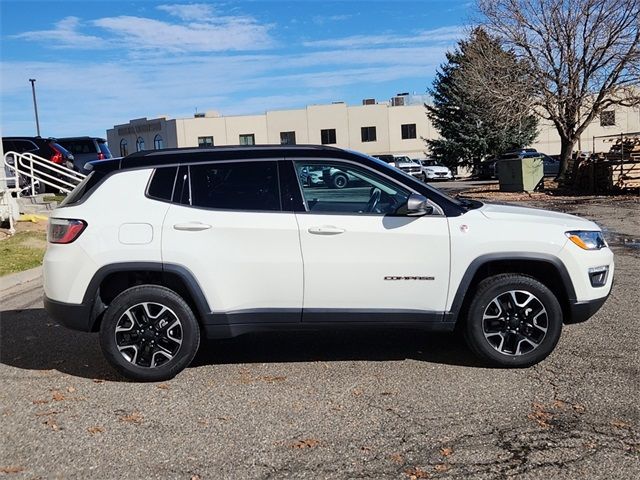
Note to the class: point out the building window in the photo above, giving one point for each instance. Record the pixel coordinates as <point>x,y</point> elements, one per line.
<point>287,138</point>
<point>328,136</point>
<point>247,139</point>
<point>608,118</point>
<point>408,131</point>
<point>158,144</point>
<point>368,134</point>
<point>204,142</point>
<point>139,144</point>
<point>124,150</point>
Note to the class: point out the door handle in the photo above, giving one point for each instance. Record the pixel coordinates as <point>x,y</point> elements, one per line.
<point>326,230</point>
<point>191,226</point>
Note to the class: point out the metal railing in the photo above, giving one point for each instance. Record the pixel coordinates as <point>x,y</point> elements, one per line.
<point>39,170</point>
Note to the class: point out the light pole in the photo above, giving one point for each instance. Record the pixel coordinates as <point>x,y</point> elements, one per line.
<point>35,104</point>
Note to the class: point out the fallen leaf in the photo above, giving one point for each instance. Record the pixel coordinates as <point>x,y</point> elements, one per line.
<point>442,467</point>
<point>51,423</point>
<point>57,396</point>
<point>559,404</point>
<point>415,473</point>
<point>40,402</point>
<point>134,417</point>
<point>397,458</point>
<point>579,408</point>
<point>98,380</point>
<point>620,424</point>
<point>163,386</point>
<point>12,469</point>
<point>71,389</point>
<point>307,443</point>
<point>446,451</point>
<point>356,392</point>
<point>196,477</point>
<point>94,430</point>
<point>540,416</point>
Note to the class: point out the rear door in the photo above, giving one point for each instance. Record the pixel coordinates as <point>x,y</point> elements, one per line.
<point>229,229</point>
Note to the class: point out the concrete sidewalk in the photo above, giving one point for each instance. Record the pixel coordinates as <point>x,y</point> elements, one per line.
<point>12,280</point>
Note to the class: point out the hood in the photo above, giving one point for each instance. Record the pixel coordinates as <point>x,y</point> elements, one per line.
<point>437,169</point>
<point>535,215</point>
<point>407,164</point>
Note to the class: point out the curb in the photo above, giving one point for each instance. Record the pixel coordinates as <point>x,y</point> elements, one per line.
<point>15,279</point>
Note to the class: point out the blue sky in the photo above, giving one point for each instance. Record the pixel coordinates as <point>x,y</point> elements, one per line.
<point>100,63</point>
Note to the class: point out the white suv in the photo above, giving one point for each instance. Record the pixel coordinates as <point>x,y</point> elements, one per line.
<point>158,248</point>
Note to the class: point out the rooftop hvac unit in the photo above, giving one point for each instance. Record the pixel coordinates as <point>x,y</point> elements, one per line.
<point>198,115</point>
<point>369,101</point>
<point>397,101</point>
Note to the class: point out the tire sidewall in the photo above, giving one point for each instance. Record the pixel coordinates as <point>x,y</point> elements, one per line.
<point>154,294</point>
<point>486,293</point>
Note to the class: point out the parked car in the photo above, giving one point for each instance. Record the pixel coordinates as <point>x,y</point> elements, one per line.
<point>404,163</point>
<point>46,148</point>
<point>434,170</point>
<point>157,248</point>
<point>86,149</point>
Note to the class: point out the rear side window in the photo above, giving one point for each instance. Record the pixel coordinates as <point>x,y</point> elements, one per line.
<point>235,186</point>
<point>162,183</point>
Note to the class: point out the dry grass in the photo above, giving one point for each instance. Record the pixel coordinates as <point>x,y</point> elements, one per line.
<point>22,251</point>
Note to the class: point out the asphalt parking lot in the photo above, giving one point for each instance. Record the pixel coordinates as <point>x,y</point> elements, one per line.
<point>381,405</point>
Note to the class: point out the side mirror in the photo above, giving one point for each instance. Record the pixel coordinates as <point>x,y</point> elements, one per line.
<point>418,205</point>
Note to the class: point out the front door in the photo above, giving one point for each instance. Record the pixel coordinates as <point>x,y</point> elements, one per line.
<point>362,261</point>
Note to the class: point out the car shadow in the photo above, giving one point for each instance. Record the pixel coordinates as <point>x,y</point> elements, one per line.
<point>30,340</point>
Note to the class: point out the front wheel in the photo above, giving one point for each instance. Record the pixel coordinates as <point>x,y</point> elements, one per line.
<point>149,333</point>
<point>513,321</point>
<point>339,180</point>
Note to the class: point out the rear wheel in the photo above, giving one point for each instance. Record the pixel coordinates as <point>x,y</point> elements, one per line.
<point>339,180</point>
<point>149,333</point>
<point>513,320</point>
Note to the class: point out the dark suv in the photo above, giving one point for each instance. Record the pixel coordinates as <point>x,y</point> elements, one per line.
<point>46,148</point>
<point>86,149</point>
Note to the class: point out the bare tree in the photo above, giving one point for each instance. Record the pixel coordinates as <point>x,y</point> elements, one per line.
<point>584,57</point>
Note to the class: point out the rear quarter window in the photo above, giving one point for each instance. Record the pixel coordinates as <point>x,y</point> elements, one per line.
<point>162,183</point>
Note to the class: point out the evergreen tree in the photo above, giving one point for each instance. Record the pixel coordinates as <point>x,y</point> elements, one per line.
<point>470,124</point>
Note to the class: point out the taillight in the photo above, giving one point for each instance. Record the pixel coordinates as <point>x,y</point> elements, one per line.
<point>65,230</point>
<point>101,156</point>
<point>57,155</point>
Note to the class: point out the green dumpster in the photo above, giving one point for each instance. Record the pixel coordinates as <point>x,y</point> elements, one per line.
<point>520,174</point>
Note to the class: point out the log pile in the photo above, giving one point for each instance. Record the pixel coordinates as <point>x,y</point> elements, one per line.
<point>617,169</point>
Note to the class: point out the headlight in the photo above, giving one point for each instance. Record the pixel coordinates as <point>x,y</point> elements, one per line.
<point>587,240</point>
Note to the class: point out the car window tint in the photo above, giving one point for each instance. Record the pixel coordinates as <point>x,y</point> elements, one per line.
<point>79,146</point>
<point>162,182</point>
<point>334,187</point>
<point>235,186</point>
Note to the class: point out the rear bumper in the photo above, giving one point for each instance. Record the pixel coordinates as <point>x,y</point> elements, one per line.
<point>71,315</point>
<point>582,311</point>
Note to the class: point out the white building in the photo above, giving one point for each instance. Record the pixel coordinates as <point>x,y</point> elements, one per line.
<point>398,127</point>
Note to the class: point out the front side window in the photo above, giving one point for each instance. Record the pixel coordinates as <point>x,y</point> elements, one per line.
<point>158,144</point>
<point>124,149</point>
<point>247,139</point>
<point>335,187</point>
<point>235,186</point>
<point>408,131</point>
<point>328,136</point>
<point>368,134</point>
<point>608,118</point>
<point>204,142</point>
<point>139,144</point>
<point>287,138</point>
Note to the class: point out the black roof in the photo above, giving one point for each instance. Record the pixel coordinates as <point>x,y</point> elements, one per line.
<point>68,139</point>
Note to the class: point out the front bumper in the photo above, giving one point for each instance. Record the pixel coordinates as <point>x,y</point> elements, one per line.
<point>582,311</point>
<point>72,315</point>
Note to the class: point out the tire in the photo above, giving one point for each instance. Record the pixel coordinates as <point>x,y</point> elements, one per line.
<point>149,333</point>
<point>513,333</point>
<point>339,180</point>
